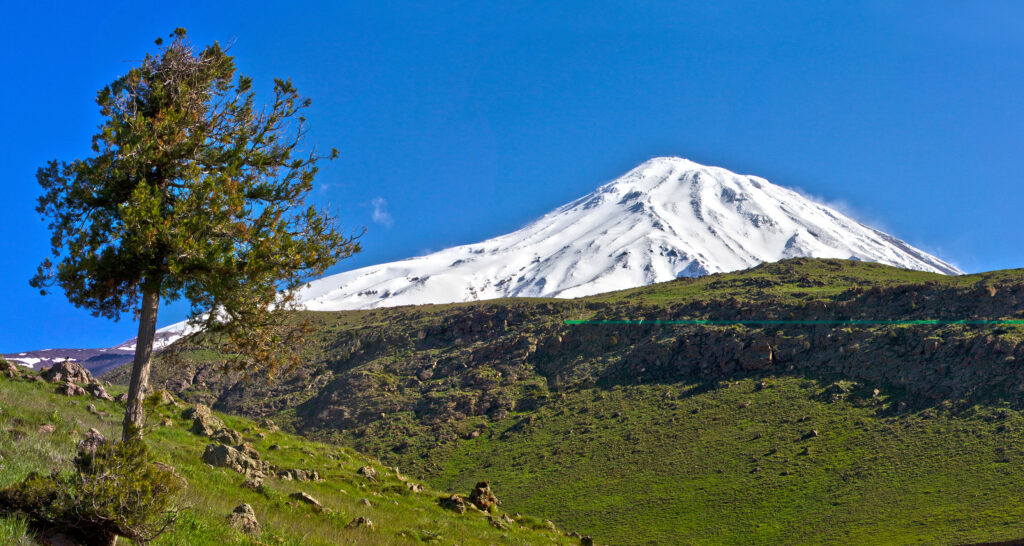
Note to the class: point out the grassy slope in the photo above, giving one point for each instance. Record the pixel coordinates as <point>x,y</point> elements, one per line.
<point>705,467</point>
<point>400,516</point>
<point>673,458</point>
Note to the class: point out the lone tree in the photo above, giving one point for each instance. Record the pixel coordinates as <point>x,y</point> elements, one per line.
<point>193,192</point>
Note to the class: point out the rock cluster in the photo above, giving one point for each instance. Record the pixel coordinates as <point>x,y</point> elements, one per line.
<point>225,456</point>
<point>360,522</point>
<point>299,475</point>
<point>71,372</point>
<point>74,380</point>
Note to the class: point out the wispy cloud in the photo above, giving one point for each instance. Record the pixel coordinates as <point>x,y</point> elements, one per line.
<point>380,212</point>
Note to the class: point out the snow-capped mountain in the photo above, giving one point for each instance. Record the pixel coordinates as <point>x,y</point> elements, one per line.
<point>668,217</point>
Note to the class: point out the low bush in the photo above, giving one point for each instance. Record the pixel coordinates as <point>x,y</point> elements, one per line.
<point>116,490</point>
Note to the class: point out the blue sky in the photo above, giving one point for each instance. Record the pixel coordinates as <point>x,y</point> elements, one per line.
<point>457,122</point>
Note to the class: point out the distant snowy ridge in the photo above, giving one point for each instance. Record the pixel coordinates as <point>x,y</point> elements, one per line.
<point>667,218</point>
<point>96,361</point>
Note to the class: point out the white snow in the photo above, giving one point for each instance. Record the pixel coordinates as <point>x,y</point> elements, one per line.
<point>666,218</point>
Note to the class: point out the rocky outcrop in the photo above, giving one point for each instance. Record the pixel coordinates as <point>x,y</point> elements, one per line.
<point>68,371</point>
<point>220,455</point>
<point>482,497</point>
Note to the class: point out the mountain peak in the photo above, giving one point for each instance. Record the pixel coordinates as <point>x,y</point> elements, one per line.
<point>665,218</point>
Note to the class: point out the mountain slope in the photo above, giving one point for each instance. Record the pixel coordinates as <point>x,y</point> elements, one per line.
<point>793,432</point>
<point>667,218</point>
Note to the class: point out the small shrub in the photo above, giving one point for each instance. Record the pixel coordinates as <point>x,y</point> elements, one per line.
<point>118,490</point>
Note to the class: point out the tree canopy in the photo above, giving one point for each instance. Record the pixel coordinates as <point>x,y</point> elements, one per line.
<point>197,192</point>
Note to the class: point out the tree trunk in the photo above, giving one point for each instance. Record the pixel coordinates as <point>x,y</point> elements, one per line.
<point>135,414</point>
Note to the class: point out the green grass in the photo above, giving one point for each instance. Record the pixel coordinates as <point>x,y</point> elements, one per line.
<point>679,464</point>
<point>400,516</point>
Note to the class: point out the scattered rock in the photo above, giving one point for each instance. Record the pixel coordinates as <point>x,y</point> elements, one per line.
<point>586,541</point>
<point>813,433</point>
<point>455,503</point>
<point>91,408</point>
<point>243,518</point>
<point>274,447</point>
<point>360,522</point>
<point>224,435</point>
<point>122,398</point>
<point>368,472</point>
<point>416,488</point>
<point>365,502</point>
<point>482,497</point>
<point>550,525</point>
<point>304,497</point>
<point>47,429</point>
<point>268,425</point>
<point>166,421</point>
<point>203,421</point>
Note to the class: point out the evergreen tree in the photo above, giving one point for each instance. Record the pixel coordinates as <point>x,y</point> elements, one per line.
<point>194,192</point>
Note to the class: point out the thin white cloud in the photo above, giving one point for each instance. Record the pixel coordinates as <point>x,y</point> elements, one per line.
<point>380,212</point>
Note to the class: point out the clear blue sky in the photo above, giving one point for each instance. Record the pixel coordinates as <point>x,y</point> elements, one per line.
<point>462,122</point>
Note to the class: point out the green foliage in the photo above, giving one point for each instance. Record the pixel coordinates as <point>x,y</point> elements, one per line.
<point>194,192</point>
<point>116,490</point>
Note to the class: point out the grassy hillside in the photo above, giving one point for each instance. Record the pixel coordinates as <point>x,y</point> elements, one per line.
<point>648,433</point>
<point>400,516</point>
